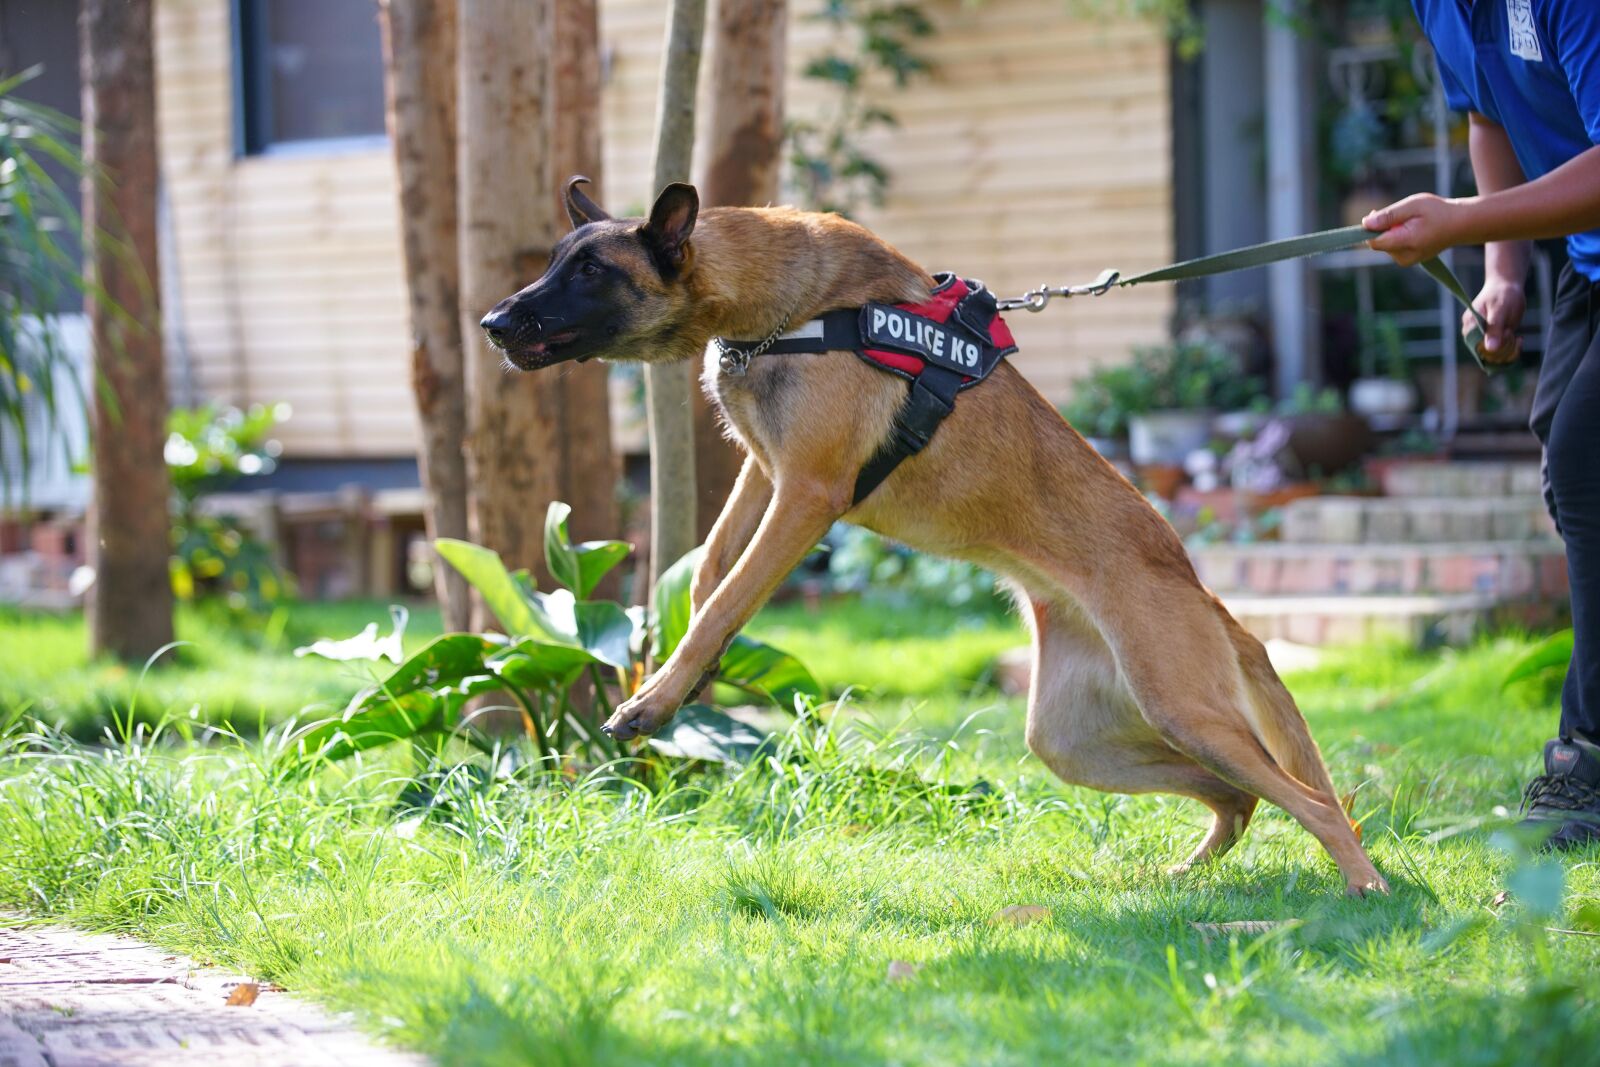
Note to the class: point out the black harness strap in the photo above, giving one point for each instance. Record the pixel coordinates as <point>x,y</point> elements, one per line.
<point>932,398</point>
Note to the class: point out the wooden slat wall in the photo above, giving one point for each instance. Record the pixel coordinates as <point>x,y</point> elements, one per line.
<point>288,267</point>
<point>1038,149</point>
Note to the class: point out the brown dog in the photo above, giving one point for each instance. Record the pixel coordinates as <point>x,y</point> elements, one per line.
<point>1142,681</point>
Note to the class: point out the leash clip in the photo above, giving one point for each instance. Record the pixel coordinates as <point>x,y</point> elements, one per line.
<point>1036,299</point>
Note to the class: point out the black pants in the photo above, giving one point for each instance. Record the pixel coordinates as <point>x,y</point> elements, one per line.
<point>1566,417</point>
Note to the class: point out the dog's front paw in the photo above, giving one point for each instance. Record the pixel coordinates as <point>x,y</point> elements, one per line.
<point>641,716</point>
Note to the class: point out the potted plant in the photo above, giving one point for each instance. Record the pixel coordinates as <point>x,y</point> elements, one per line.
<point>1323,436</point>
<point>1185,385</point>
<point>1384,393</point>
<point>1163,400</point>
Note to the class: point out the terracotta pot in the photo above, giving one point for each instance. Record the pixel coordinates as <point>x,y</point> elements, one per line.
<point>1329,443</point>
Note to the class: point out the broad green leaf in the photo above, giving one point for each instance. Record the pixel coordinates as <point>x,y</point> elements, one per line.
<point>600,627</point>
<point>487,574</point>
<point>366,645</point>
<point>703,733</point>
<point>1539,885</point>
<point>417,696</point>
<point>672,602</point>
<point>1553,653</point>
<point>376,718</point>
<point>768,672</point>
<point>578,567</point>
<point>535,664</point>
<point>443,662</point>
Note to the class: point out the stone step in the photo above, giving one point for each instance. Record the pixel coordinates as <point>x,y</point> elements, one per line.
<point>1419,620</point>
<point>1472,479</point>
<point>1505,570</point>
<point>1413,519</point>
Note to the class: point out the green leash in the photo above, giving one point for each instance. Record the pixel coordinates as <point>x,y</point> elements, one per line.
<point>1260,255</point>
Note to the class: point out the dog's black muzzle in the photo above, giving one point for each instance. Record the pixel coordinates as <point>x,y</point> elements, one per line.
<point>526,339</point>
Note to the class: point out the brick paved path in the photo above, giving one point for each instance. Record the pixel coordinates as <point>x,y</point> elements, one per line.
<point>70,999</point>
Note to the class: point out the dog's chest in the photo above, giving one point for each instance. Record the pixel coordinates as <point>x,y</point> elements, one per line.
<point>756,404</point>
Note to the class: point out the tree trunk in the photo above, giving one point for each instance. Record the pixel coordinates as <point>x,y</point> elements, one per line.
<point>670,387</point>
<point>130,607</point>
<point>590,468</point>
<point>419,46</point>
<point>749,40</point>
<point>507,226</point>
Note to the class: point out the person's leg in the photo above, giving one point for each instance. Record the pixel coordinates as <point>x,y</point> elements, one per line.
<point>1565,800</point>
<point>1573,468</point>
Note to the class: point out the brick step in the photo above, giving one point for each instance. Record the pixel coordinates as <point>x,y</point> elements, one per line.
<point>1419,620</point>
<point>1409,520</point>
<point>1474,479</point>
<point>1507,570</point>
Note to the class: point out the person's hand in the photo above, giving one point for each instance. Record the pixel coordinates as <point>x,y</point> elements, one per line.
<point>1416,228</point>
<point>1502,304</point>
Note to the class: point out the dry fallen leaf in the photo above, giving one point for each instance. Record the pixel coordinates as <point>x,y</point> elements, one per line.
<point>244,994</point>
<point>901,971</point>
<point>1244,928</point>
<point>1349,802</point>
<point>1021,914</point>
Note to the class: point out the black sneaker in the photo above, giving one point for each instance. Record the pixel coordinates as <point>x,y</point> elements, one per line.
<point>1563,803</point>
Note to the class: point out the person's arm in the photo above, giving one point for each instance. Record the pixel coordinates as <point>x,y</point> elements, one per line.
<point>1503,300</point>
<point>1506,214</point>
<point>1563,202</point>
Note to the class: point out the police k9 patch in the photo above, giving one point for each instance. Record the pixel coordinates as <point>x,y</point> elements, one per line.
<point>946,345</point>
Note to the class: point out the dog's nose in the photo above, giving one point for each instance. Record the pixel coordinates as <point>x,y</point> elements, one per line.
<point>497,326</point>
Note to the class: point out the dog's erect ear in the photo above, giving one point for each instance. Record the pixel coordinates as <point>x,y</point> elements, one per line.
<point>672,221</point>
<point>580,209</point>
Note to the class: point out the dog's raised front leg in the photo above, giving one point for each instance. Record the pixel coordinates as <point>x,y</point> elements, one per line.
<point>735,526</point>
<point>799,516</point>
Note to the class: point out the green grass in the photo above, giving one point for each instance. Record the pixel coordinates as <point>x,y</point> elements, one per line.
<point>225,670</point>
<point>751,918</point>
<point>240,672</point>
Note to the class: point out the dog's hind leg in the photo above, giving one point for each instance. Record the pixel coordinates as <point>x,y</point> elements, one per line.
<point>1185,674</point>
<point>1084,725</point>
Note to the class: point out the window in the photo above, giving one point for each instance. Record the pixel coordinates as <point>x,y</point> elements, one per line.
<point>307,71</point>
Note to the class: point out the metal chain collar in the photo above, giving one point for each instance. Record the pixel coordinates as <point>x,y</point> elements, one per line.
<point>1036,299</point>
<point>736,361</point>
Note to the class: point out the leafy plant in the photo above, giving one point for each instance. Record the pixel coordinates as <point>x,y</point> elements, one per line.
<point>1307,399</point>
<point>39,266</point>
<point>860,561</point>
<point>828,167</point>
<point>1549,656</point>
<point>564,660</point>
<point>1188,375</point>
<point>209,448</point>
<point>1382,346</point>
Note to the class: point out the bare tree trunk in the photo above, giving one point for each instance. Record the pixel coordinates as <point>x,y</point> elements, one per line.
<point>419,45</point>
<point>507,226</point>
<point>749,48</point>
<point>590,468</point>
<point>669,387</point>
<point>130,607</point>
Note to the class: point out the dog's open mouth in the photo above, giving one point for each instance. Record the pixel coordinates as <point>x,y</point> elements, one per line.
<point>543,353</point>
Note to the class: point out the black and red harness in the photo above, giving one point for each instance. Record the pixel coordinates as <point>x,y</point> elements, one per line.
<point>947,343</point>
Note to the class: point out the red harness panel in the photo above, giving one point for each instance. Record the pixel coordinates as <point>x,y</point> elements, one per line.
<point>938,307</point>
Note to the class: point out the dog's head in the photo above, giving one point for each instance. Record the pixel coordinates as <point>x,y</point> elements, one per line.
<point>614,288</point>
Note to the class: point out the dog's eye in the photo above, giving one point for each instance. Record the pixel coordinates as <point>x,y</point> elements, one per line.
<point>589,268</point>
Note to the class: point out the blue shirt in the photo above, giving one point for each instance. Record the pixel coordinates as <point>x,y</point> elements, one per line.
<point>1533,66</point>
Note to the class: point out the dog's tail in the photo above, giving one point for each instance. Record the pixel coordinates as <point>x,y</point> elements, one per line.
<point>1274,717</point>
